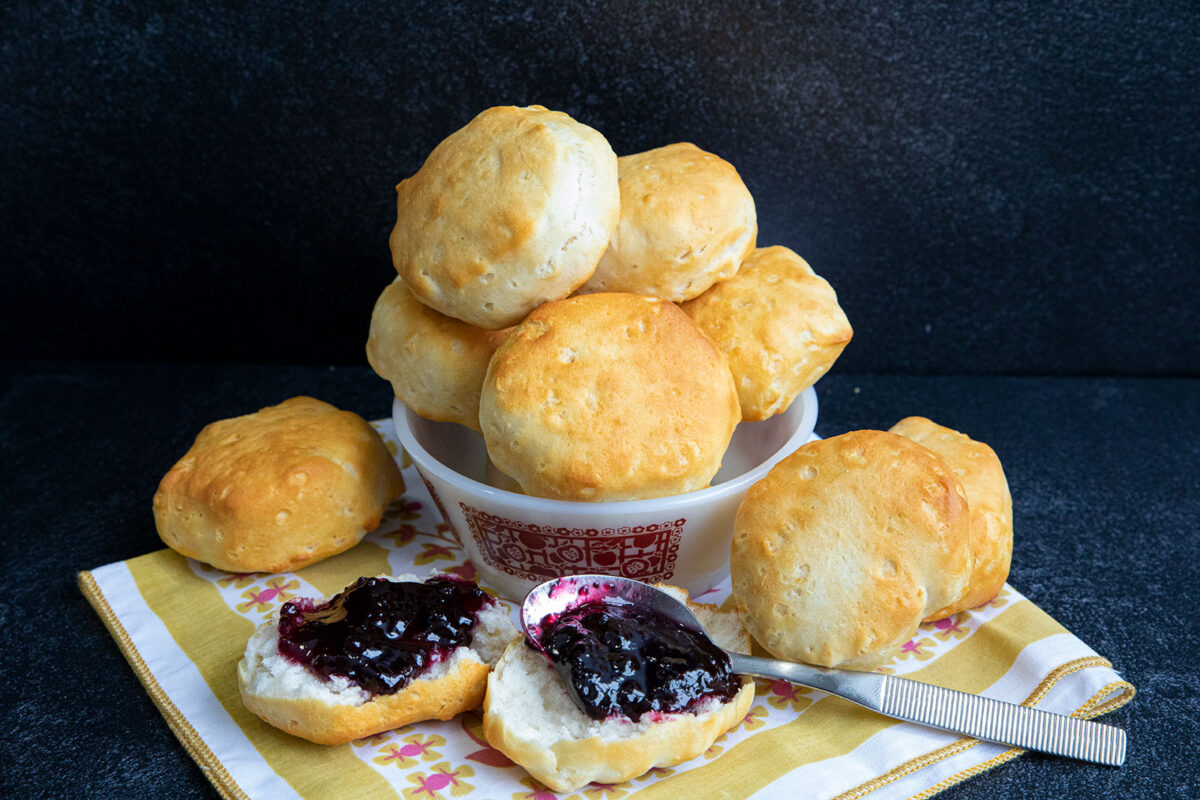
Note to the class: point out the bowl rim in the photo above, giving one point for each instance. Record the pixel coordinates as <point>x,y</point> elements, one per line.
<point>424,459</point>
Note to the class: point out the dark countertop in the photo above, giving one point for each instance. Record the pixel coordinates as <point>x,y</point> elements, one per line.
<point>1104,476</point>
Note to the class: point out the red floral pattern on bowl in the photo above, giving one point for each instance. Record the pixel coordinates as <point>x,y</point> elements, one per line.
<point>538,552</point>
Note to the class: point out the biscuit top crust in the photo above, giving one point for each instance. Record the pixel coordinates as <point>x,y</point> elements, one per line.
<point>507,213</point>
<point>982,475</point>
<point>845,547</point>
<point>278,488</point>
<point>434,363</point>
<point>241,463</point>
<point>608,396</point>
<point>780,325</point>
<point>687,221</point>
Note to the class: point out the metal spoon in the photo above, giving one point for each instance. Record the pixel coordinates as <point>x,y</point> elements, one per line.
<point>900,698</point>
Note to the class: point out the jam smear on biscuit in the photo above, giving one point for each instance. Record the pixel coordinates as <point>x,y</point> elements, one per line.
<point>380,634</point>
<point>627,661</point>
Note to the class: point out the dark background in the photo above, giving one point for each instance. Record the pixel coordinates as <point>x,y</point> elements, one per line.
<point>999,188</point>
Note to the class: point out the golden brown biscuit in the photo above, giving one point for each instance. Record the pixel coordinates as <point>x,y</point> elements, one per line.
<point>780,325</point>
<point>435,363</point>
<point>687,221</point>
<point>507,213</point>
<point>846,546</point>
<point>277,489</point>
<point>608,396</point>
<point>982,476</point>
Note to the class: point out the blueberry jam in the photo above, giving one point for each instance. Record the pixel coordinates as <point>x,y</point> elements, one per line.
<point>380,634</point>
<point>626,661</point>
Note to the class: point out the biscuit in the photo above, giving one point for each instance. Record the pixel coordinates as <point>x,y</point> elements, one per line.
<point>278,489</point>
<point>507,213</point>
<point>286,694</point>
<point>990,503</point>
<point>780,325</point>
<point>846,545</point>
<point>528,716</point>
<point>435,363</point>
<point>687,221</point>
<point>608,396</point>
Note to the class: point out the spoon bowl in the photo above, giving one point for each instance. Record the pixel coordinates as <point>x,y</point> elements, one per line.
<point>547,600</point>
<point>899,698</point>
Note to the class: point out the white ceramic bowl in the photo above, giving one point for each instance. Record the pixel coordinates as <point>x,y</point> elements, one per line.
<point>517,542</point>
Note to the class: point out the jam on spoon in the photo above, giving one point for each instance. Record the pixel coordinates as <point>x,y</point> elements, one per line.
<point>618,659</point>
<point>381,634</point>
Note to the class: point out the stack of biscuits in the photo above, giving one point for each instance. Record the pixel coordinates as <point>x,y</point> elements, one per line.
<point>605,323</point>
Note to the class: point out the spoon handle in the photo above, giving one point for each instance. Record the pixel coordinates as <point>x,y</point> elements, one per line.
<point>958,712</point>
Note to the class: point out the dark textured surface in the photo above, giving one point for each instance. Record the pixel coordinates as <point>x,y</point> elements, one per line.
<point>1104,479</point>
<point>991,187</point>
